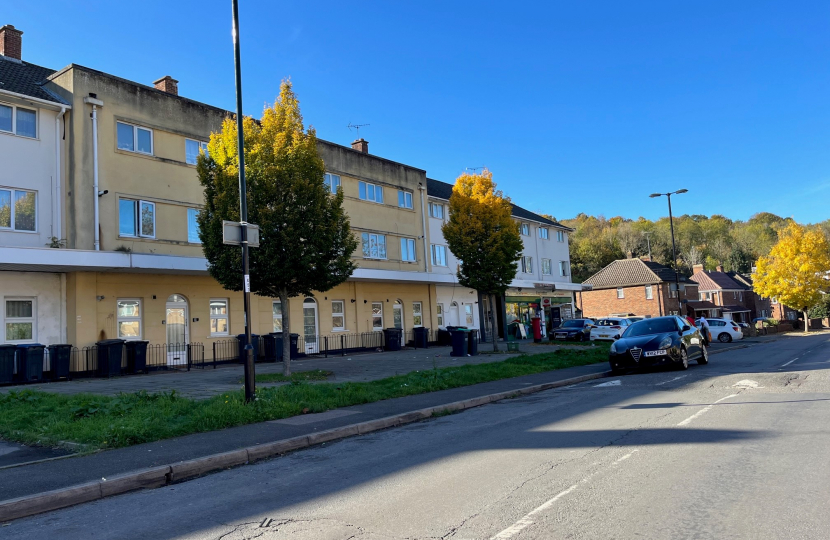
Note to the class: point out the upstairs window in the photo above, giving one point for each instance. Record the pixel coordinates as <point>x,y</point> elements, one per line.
<point>404,199</point>
<point>136,218</point>
<point>374,246</point>
<point>135,139</point>
<point>439,255</point>
<point>20,216</point>
<point>527,265</point>
<point>408,249</point>
<point>525,228</point>
<point>543,233</point>
<point>436,210</point>
<point>370,192</point>
<point>560,236</point>
<point>192,149</point>
<point>649,292</point>
<point>19,121</point>
<point>332,182</point>
<point>546,267</point>
<point>620,292</point>
<point>193,226</point>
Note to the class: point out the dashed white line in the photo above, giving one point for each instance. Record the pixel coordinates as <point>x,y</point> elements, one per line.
<point>790,362</point>
<point>672,380</point>
<point>609,383</point>
<point>704,410</point>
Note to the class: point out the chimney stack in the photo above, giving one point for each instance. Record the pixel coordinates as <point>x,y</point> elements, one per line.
<point>719,268</point>
<point>361,145</point>
<point>696,269</point>
<point>645,258</point>
<point>167,84</point>
<point>11,42</point>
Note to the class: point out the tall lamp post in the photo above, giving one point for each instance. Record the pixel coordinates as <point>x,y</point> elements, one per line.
<point>673,247</point>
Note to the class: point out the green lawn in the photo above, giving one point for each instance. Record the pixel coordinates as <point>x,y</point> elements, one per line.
<point>300,376</point>
<point>35,417</point>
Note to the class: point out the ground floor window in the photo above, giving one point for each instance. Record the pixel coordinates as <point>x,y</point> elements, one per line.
<point>129,318</point>
<point>277,311</point>
<point>377,316</point>
<point>338,315</point>
<point>417,314</point>
<point>219,317</point>
<point>469,319</point>
<point>440,311</point>
<point>20,319</point>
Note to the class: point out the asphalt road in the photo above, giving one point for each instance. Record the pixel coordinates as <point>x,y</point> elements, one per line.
<point>736,449</point>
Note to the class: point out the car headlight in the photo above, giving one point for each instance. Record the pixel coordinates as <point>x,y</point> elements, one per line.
<point>614,347</point>
<point>666,343</point>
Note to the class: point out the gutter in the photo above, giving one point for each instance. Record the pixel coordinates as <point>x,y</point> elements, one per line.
<point>53,105</point>
<point>57,228</point>
<point>422,189</point>
<point>95,104</point>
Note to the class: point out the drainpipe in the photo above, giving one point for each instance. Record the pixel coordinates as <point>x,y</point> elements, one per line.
<point>421,188</point>
<point>56,229</point>
<point>92,100</point>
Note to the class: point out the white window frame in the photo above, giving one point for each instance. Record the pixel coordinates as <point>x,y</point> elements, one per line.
<point>439,309</point>
<point>366,238</point>
<point>135,149</point>
<point>560,236</point>
<point>202,148</point>
<point>564,268</point>
<point>194,238</point>
<point>547,267</point>
<point>544,233</point>
<point>378,328</point>
<point>620,293</point>
<point>12,199</point>
<point>341,314</point>
<point>218,316</point>
<point>469,314</point>
<point>525,229</point>
<point>332,182</point>
<point>433,206</point>
<point>405,197</point>
<point>376,189</point>
<point>438,248</point>
<point>649,292</point>
<point>417,314</point>
<point>275,317</point>
<point>13,131</point>
<point>119,319</point>
<point>408,253</point>
<point>527,264</point>
<point>138,204</point>
<point>32,319</point>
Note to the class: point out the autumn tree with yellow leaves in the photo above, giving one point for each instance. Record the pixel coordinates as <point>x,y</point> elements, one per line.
<point>481,232</point>
<point>794,271</point>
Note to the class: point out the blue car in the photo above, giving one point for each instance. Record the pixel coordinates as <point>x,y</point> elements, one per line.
<point>658,341</point>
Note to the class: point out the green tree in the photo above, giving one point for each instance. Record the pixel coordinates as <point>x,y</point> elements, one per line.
<point>481,232</point>
<point>305,238</point>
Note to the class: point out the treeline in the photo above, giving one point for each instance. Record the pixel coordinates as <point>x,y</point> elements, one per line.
<point>711,241</point>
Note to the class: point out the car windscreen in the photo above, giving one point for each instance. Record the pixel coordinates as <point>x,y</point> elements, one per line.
<point>573,323</point>
<point>608,322</point>
<point>651,326</point>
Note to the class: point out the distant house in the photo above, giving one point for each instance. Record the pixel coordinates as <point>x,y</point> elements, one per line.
<point>635,287</point>
<point>721,295</point>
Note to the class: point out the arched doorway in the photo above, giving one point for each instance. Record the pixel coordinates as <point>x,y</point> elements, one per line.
<point>177,329</point>
<point>310,329</point>
<point>397,314</point>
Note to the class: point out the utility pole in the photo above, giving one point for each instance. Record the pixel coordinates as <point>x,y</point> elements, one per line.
<point>648,242</point>
<point>250,379</point>
<point>673,248</point>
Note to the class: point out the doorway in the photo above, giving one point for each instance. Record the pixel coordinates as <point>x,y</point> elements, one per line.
<point>397,314</point>
<point>454,316</point>
<point>310,326</point>
<point>178,331</point>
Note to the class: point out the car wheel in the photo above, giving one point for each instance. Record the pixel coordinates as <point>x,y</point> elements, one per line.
<point>704,356</point>
<point>580,337</point>
<point>724,338</point>
<point>684,358</point>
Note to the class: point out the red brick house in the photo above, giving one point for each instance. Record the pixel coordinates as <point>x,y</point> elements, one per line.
<point>635,287</point>
<point>719,295</point>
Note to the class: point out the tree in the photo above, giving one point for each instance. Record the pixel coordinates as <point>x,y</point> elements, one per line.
<point>794,270</point>
<point>481,232</point>
<point>305,238</point>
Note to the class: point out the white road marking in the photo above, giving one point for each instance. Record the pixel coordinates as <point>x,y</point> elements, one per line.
<point>527,520</point>
<point>790,362</point>
<point>610,383</point>
<point>746,383</point>
<point>704,410</point>
<point>672,380</point>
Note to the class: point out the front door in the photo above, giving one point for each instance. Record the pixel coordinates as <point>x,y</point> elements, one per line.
<point>454,317</point>
<point>310,326</point>
<point>177,330</point>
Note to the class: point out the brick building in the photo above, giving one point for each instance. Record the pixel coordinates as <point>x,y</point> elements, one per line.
<point>635,287</point>
<point>724,296</point>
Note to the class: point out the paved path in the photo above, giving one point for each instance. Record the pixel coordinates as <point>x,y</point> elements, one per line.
<point>735,449</point>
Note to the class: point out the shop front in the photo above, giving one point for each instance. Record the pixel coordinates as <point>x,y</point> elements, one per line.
<point>521,310</point>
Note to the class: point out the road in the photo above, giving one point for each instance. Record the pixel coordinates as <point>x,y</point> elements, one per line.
<point>732,450</point>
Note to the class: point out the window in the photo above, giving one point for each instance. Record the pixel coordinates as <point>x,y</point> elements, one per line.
<point>563,268</point>
<point>128,318</point>
<point>468,315</point>
<point>377,316</point>
<point>774,300</point>
<point>620,292</point>
<point>193,226</point>
<point>791,315</point>
<point>417,314</point>
<point>546,268</point>
<point>20,319</point>
<point>706,296</point>
<point>332,182</point>
<point>338,315</point>
<point>672,290</point>
<point>436,210</point>
<point>134,138</point>
<point>192,149</point>
<point>408,249</point>
<point>543,233</point>
<point>527,265</point>
<point>374,246</point>
<point>370,192</point>
<point>649,292</point>
<point>276,309</point>
<point>137,218</point>
<point>525,229</point>
<point>219,317</point>
<point>440,311</point>
<point>560,236</point>
<point>439,255</point>
<point>20,216</point>
<point>18,120</point>
<point>404,199</point>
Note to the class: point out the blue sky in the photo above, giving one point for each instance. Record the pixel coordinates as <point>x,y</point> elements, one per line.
<point>574,106</point>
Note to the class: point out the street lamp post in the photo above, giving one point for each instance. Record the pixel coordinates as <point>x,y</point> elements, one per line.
<point>673,247</point>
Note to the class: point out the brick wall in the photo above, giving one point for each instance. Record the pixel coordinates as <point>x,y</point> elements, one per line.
<point>603,302</point>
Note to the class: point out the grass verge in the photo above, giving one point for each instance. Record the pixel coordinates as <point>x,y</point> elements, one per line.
<point>300,376</point>
<point>35,417</point>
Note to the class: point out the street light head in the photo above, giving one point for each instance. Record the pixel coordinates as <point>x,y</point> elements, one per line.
<point>682,191</point>
<point>656,195</point>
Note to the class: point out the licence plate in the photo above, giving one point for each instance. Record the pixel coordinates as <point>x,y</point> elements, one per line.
<point>661,352</point>
<point>560,336</point>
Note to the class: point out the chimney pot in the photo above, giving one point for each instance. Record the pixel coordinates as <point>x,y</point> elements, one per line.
<point>11,42</point>
<point>696,269</point>
<point>361,145</point>
<point>719,268</point>
<point>167,84</point>
<point>645,258</point>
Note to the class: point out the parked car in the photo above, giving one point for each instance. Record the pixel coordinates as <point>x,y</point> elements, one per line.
<point>610,328</point>
<point>575,329</point>
<point>660,340</point>
<point>743,325</point>
<point>632,320</point>
<point>723,330</point>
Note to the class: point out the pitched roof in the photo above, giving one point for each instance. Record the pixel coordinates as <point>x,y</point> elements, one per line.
<point>26,79</point>
<point>713,281</point>
<point>443,190</point>
<point>741,279</point>
<point>631,272</point>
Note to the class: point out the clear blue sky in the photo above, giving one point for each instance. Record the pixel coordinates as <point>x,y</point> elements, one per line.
<point>574,106</point>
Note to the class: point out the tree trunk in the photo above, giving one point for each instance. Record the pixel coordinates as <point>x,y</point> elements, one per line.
<point>806,322</point>
<point>286,333</point>
<point>493,331</point>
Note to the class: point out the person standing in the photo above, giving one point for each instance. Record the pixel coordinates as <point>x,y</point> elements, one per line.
<point>704,325</point>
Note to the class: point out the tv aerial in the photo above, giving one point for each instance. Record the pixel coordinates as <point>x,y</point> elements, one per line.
<point>475,169</point>
<point>356,127</point>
